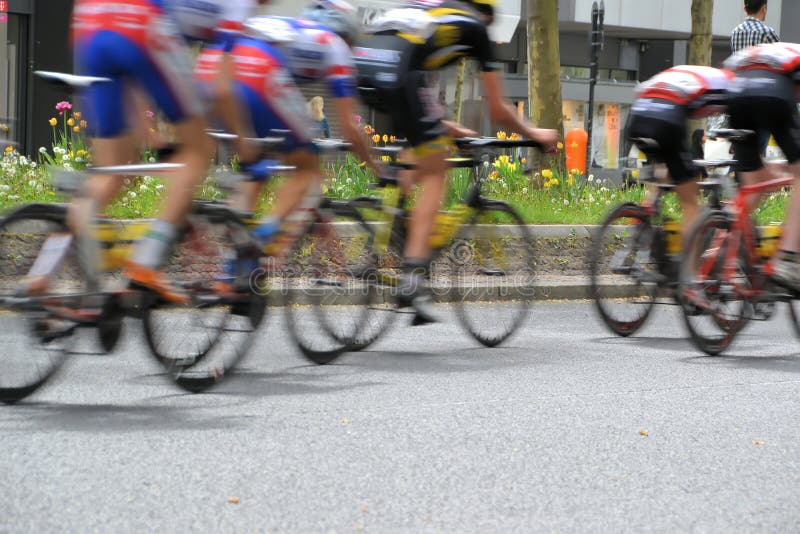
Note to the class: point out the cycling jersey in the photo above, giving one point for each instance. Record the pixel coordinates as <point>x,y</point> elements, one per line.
<point>314,53</point>
<point>265,86</point>
<point>702,90</point>
<point>131,40</point>
<point>781,58</point>
<point>404,44</point>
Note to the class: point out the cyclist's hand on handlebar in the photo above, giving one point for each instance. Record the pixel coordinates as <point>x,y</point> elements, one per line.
<point>457,130</point>
<point>547,138</point>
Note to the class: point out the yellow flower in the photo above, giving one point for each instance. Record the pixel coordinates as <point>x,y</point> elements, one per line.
<point>502,135</point>
<point>53,121</point>
<point>324,189</point>
<point>70,122</point>
<point>635,174</point>
<point>83,124</point>
<point>547,184</point>
<point>524,161</point>
<point>386,158</point>
<point>369,130</point>
<point>554,181</point>
<point>514,137</point>
<point>77,115</point>
<point>376,138</point>
<point>9,149</point>
<point>385,138</point>
<point>570,180</point>
<point>76,129</point>
<point>81,153</point>
<point>494,175</point>
<point>547,173</point>
<point>560,145</point>
<point>392,139</point>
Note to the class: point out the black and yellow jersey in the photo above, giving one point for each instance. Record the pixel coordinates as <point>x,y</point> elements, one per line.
<point>433,34</point>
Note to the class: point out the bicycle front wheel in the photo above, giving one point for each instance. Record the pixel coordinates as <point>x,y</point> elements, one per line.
<point>35,331</point>
<point>200,343</point>
<point>712,282</point>
<point>622,271</point>
<point>488,272</point>
<point>328,286</point>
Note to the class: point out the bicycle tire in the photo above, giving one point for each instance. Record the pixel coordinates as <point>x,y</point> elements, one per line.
<point>328,286</point>
<point>35,340</point>
<point>489,271</point>
<point>713,326</point>
<point>201,343</point>
<point>619,264</point>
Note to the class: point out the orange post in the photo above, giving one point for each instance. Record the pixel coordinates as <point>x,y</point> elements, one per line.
<point>575,146</point>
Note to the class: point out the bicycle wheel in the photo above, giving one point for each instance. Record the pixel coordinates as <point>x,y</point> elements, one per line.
<point>710,296</point>
<point>488,272</point>
<point>328,286</point>
<point>35,335</point>
<point>200,343</point>
<point>622,270</point>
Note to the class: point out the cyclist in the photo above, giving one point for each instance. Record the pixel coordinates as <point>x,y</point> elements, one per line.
<point>395,60</point>
<point>140,45</point>
<point>659,124</point>
<point>765,98</point>
<point>272,56</point>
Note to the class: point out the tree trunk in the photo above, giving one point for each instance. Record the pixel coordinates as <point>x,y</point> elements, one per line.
<point>462,65</point>
<point>700,43</point>
<point>544,72</point>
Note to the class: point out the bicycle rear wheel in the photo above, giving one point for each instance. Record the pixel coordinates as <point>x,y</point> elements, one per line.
<point>328,286</point>
<point>623,273</point>
<point>35,336</point>
<point>488,272</point>
<point>713,310</point>
<point>200,343</point>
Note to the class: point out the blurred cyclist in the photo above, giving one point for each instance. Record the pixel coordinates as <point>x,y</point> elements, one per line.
<point>764,98</point>
<point>274,54</point>
<point>141,44</point>
<point>659,124</point>
<point>394,63</point>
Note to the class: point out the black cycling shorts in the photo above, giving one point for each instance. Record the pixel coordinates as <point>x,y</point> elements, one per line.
<point>671,136</point>
<point>407,96</point>
<point>764,101</point>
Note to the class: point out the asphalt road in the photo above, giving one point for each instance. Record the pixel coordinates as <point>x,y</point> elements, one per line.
<point>565,429</point>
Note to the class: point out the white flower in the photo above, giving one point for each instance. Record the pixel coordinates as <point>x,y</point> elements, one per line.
<point>32,183</point>
<point>23,161</point>
<point>39,188</point>
<point>13,197</point>
<point>151,159</point>
<point>591,178</point>
<point>67,166</point>
<point>33,164</point>
<point>5,187</point>
<point>603,189</point>
<point>159,187</point>
<point>42,150</point>
<point>591,198</point>
<point>524,190</point>
<point>132,194</point>
<point>78,160</point>
<point>485,163</point>
<point>143,187</point>
<point>566,202</point>
<point>608,202</point>
<point>65,157</point>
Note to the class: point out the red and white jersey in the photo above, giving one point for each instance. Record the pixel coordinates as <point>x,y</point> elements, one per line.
<point>783,58</point>
<point>703,90</point>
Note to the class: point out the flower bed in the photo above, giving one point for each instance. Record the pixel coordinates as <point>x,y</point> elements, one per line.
<point>544,197</point>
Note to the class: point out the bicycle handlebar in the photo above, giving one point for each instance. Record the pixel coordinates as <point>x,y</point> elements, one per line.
<point>730,133</point>
<point>493,142</point>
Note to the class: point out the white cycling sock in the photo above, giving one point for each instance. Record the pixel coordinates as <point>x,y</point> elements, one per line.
<point>151,250</point>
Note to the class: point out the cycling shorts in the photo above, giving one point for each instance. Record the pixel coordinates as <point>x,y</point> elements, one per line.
<point>764,101</point>
<point>407,96</point>
<point>667,128</point>
<point>146,50</point>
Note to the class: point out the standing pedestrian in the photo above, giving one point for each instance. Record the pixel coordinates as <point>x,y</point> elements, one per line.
<point>316,110</point>
<point>753,31</point>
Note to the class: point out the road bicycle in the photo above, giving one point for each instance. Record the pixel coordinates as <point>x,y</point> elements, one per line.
<point>197,342</point>
<point>483,261</point>
<point>724,276</point>
<point>635,255</point>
